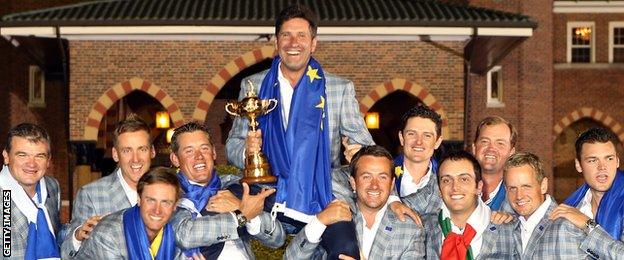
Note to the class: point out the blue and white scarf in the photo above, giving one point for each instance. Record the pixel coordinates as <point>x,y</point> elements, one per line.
<point>137,242</point>
<point>299,155</point>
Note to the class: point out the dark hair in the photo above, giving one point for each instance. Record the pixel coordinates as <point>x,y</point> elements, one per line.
<point>424,112</point>
<point>496,120</point>
<point>373,150</point>
<point>188,128</point>
<point>159,175</point>
<point>525,158</point>
<point>594,135</point>
<point>31,132</point>
<point>296,11</point>
<point>132,123</point>
<point>459,155</point>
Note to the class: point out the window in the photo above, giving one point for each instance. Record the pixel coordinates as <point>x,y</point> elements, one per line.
<point>616,42</point>
<point>495,87</point>
<point>36,87</point>
<point>580,42</point>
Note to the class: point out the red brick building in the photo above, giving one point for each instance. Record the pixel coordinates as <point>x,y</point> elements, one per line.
<point>187,58</point>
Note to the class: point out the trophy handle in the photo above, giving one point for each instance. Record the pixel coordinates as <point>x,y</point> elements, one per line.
<point>233,106</point>
<point>268,108</point>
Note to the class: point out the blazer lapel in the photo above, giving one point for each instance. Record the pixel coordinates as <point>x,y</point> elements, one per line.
<point>19,223</point>
<point>384,236</point>
<point>489,235</point>
<point>538,232</point>
<point>118,194</point>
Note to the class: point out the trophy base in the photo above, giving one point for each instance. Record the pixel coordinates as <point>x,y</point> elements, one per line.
<point>262,179</point>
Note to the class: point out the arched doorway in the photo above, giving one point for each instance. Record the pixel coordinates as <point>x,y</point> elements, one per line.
<point>217,119</point>
<point>566,178</point>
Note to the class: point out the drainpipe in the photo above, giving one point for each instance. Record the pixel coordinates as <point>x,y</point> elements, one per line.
<point>467,91</point>
<point>66,84</point>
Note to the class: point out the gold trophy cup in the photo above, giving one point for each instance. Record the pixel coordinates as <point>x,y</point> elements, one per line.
<point>257,167</point>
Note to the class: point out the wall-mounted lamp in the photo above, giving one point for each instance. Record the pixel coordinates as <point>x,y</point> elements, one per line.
<point>372,120</point>
<point>169,135</point>
<point>162,119</point>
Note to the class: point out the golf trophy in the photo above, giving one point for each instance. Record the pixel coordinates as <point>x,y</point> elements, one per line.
<point>257,168</point>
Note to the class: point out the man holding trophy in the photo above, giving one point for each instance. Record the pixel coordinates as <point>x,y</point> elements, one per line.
<point>301,137</point>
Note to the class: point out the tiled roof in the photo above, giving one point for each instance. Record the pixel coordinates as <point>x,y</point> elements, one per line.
<point>262,13</point>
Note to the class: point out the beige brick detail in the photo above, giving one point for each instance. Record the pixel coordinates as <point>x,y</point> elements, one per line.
<point>94,114</point>
<point>575,115</point>
<point>118,89</point>
<point>599,115</point>
<point>232,68</point>
<point>167,101</point>
<point>586,111</point>
<point>621,137</point>
<point>153,90</point>
<point>616,128</point>
<point>429,100</point>
<point>199,115</point>
<point>267,51</point>
<point>367,102</point>
<point>177,116</point>
<point>381,91</point>
<point>398,83</point>
<point>136,83</point>
<point>445,132</point>
<point>558,129</point>
<point>218,81</point>
<point>90,133</point>
<point>565,121</point>
<point>248,58</point>
<point>607,121</point>
<point>106,101</point>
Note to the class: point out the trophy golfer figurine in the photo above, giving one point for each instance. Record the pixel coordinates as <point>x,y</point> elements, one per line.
<point>257,168</point>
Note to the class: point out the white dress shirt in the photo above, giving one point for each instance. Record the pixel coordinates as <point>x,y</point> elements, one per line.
<point>528,225</point>
<point>286,93</point>
<point>479,220</point>
<point>368,235</point>
<point>493,193</point>
<point>585,205</point>
<point>409,186</point>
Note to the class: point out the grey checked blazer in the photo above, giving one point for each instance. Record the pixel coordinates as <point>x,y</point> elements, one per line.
<point>600,245</point>
<point>100,197</point>
<point>19,222</point>
<point>558,239</point>
<point>208,230</point>
<point>498,240</point>
<point>426,200</point>
<point>107,240</point>
<point>394,240</point>
<point>343,114</point>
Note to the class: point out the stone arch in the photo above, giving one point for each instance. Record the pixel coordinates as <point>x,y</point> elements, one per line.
<point>226,73</point>
<point>593,113</point>
<point>122,89</point>
<point>388,87</point>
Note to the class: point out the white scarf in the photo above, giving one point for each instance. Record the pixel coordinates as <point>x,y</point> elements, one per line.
<point>25,204</point>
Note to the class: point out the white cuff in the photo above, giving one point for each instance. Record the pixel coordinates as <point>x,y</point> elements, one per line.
<point>75,241</point>
<point>393,198</point>
<point>253,225</point>
<point>314,230</point>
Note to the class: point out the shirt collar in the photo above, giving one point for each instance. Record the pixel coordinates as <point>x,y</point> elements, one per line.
<point>493,193</point>
<point>407,182</point>
<point>536,217</point>
<point>585,205</point>
<point>131,194</point>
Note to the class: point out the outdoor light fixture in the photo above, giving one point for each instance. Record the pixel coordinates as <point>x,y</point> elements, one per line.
<point>372,120</point>
<point>162,119</point>
<point>169,135</point>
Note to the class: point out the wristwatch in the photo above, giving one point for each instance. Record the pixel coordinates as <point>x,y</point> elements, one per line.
<point>240,218</point>
<point>590,225</point>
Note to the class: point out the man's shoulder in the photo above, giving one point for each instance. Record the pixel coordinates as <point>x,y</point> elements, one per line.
<point>335,79</point>
<point>404,226</point>
<point>111,221</point>
<point>52,183</point>
<point>257,77</point>
<point>103,183</point>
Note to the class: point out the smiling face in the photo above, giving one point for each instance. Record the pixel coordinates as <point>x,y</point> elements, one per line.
<point>493,147</point>
<point>598,162</point>
<point>295,44</point>
<point>459,186</point>
<point>373,182</point>
<point>195,156</point>
<point>27,161</point>
<point>419,139</point>
<point>156,203</point>
<point>524,192</point>
<point>133,152</point>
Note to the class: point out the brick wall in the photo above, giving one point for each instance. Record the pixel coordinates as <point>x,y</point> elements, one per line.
<point>182,69</point>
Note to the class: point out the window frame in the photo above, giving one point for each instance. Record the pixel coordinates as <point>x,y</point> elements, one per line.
<point>592,41</point>
<point>613,25</point>
<point>495,102</point>
<point>32,100</point>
